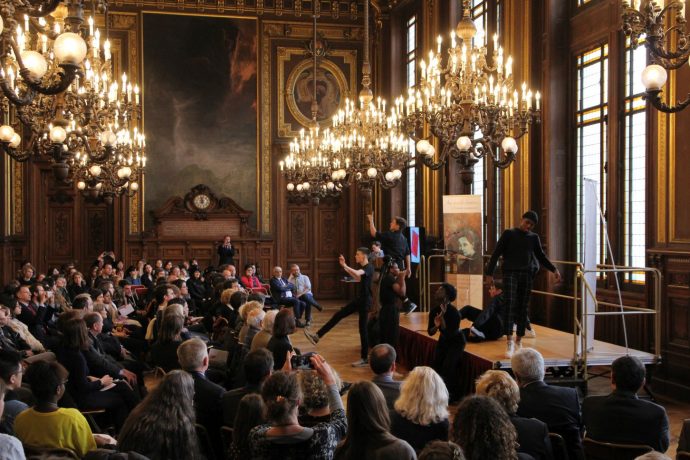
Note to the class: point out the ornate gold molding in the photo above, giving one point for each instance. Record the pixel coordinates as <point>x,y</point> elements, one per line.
<point>286,83</point>
<point>265,131</point>
<point>17,197</point>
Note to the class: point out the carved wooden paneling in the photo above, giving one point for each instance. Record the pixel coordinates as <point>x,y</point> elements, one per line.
<point>678,322</point>
<point>60,233</point>
<point>328,236</point>
<point>97,229</point>
<point>298,233</point>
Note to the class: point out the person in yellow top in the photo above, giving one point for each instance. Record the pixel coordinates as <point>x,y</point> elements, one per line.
<point>46,424</point>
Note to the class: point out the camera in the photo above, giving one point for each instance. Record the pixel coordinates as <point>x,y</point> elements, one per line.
<point>302,362</point>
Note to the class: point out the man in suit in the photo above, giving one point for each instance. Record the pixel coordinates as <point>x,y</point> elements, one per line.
<point>258,365</point>
<point>382,362</point>
<point>193,358</point>
<point>621,417</point>
<point>558,407</point>
<point>35,314</point>
<point>281,290</point>
<point>226,252</point>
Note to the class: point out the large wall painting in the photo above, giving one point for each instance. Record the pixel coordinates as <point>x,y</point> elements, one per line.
<point>200,107</point>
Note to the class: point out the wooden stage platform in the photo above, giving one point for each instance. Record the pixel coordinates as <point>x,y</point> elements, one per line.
<point>416,348</point>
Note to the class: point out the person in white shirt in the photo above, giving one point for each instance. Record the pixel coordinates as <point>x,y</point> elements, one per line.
<point>303,291</point>
<point>10,447</point>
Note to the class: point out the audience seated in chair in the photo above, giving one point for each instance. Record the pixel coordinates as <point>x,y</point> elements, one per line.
<point>193,358</point>
<point>315,407</point>
<point>382,363</point>
<point>11,372</point>
<point>558,407</point>
<point>303,291</point>
<point>163,353</point>
<point>368,428</point>
<point>441,450</point>
<point>483,429</point>
<point>420,414</point>
<point>162,426</point>
<point>532,434</point>
<point>10,447</point>
<point>281,290</point>
<point>621,417</point>
<point>245,310</point>
<point>280,344</point>
<point>250,414</point>
<point>258,366</point>
<point>283,437</point>
<point>46,424</point>
<point>262,337</point>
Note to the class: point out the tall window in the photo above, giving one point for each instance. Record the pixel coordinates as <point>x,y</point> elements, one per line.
<point>634,126</point>
<point>591,134</point>
<point>480,17</point>
<point>411,80</point>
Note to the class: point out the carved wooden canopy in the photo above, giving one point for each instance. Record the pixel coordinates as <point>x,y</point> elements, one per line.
<point>203,215</point>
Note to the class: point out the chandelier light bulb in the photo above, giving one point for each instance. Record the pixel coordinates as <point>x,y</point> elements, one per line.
<point>423,146</point>
<point>290,187</point>
<point>397,174</point>
<point>306,186</point>
<point>389,176</point>
<point>124,172</point>
<point>431,151</point>
<point>95,170</point>
<point>6,133</point>
<point>654,77</point>
<point>108,138</point>
<point>58,134</point>
<point>15,141</point>
<point>2,24</point>
<point>134,186</point>
<point>330,186</point>
<point>99,185</point>
<point>81,185</point>
<point>509,145</point>
<point>35,63</point>
<point>299,187</point>
<point>371,173</point>
<point>464,144</point>
<point>69,48</point>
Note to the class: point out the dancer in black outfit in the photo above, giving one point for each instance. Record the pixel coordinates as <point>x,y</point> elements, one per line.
<point>519,247</point>
<point>391,294</point>
<point>445,318</point>
<point>360,305</point>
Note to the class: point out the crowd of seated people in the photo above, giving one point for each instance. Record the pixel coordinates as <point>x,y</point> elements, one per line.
<point>75,351</point>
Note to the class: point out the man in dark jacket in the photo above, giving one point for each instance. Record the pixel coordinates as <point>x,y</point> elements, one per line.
<point>621,417</point>
<point>282,293</point>
<point>193,358</point>
<point>558,407</point>
<point>258,365</point>
<point>382,362</point>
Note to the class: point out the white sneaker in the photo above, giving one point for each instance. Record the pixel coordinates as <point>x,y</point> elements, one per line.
<point>361,363</point>
<point>477,332</point>
<point>510,349</point>
<point>530,334</point>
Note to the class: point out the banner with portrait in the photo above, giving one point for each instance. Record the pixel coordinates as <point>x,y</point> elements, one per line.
<point>462,230</point>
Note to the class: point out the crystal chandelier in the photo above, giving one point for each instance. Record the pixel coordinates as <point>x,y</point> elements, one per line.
<point>91,131</point>
<point>366,143</point>
<point>646,21</point>
<point>41,52</point>
<point>307,168</point>
<point>469,103</point>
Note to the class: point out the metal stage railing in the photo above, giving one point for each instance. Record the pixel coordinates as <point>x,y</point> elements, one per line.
<point>581,353</point>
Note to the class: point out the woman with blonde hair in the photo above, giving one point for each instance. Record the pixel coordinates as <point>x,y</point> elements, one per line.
<point>262,337</point>
<point>421,411</point>
<point>532,434</point>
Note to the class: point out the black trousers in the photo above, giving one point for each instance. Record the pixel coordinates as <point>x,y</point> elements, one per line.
<point>389,325</point>
<point>447,364</point>
<point>517,287</point>
<point>362,309</point>
<point>308,302</point>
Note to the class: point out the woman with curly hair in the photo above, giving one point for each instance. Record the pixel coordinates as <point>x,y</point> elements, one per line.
<point>421,410</point>
<point>368,428</point>
<point>441,450</point>
<point>162,426</point>
<point>483,430</point>
<point>532,434</point>
<point>283,437</point>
